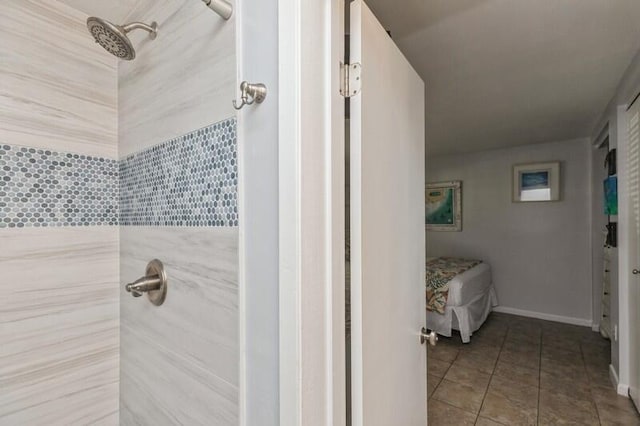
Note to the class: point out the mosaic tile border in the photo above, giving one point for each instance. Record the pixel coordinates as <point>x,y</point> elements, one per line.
<point>190,180</point>
<point>43,188</point>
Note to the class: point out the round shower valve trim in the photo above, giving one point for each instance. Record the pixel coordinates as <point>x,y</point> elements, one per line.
<point>154,283</point>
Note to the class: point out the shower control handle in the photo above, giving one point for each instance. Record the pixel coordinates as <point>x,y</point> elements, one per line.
<point>154,283</point>
<point>143,285</point>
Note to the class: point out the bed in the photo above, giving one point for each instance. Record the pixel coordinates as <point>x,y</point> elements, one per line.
<point>470,299</point>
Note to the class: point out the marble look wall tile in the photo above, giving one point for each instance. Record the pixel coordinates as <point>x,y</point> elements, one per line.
<point>163,388</point>
<point>113,10</point>
<point>59,294</point>
<point>58,89</point>
<point>59,326</point>
<point>89,407</point>
<point>199,319</point>
<point>185,79</point>
<point>180,360</point>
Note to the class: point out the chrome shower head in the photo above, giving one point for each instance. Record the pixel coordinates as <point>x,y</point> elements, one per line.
<point>113,38</point>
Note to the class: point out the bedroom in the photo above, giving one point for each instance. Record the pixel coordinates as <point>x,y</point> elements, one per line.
<point>550,96</point>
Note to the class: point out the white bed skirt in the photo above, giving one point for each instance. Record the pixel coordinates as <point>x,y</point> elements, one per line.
<point>467,318</point>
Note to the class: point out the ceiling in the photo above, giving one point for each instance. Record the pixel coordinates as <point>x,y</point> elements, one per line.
<point>502,73</point>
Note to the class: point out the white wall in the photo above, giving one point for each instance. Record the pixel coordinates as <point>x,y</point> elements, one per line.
<point>540,252</point>
<point>58,284</point>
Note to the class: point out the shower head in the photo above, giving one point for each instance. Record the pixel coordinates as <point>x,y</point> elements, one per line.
<point>113,38</point>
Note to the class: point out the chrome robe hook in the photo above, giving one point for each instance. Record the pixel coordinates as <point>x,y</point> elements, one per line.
<point>250,93</point>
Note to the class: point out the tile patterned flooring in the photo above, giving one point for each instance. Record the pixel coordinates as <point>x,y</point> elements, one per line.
<point>524,371</point>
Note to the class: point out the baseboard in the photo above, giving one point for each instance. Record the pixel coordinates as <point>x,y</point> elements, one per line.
<point>613,376</point>
<point>623,389</point>
<point>595,328</point>
<point>620,388</point>
<point>540,315</point>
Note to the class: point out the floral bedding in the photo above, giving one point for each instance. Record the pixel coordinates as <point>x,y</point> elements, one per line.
<point>440,271</point>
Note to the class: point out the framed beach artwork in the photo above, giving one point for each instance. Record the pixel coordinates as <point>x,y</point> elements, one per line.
<point>536,182</point>
<point>444,206</point>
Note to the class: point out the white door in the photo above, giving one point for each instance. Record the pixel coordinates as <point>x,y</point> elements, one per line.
<point>388,363</point>
<point>633,159</point>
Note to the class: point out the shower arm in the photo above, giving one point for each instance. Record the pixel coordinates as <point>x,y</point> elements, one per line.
<point>221,7</point>
<point>151,29</point>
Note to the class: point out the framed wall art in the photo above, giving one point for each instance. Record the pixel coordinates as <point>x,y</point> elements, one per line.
<point>444,206</point>
<point>536,182</point>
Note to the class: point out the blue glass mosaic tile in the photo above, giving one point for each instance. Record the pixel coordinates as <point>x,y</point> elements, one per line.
<point>190,180</point>
<point>45,188</point>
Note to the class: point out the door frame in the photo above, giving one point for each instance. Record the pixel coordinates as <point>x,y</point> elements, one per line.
<point>311,213</point>
<point>627,261</point>
<point>624,262</point>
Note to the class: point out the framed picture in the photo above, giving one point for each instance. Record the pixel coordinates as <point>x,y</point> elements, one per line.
<point>444,206</point>
<point>536,182</point>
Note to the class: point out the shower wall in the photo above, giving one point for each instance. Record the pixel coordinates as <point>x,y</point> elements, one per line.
<point>59,279</point>
<point>178,150</point>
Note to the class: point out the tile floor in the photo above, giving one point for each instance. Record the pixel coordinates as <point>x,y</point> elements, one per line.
<point>523,371</point>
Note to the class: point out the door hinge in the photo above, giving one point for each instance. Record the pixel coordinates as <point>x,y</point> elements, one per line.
<point>350,76</point>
